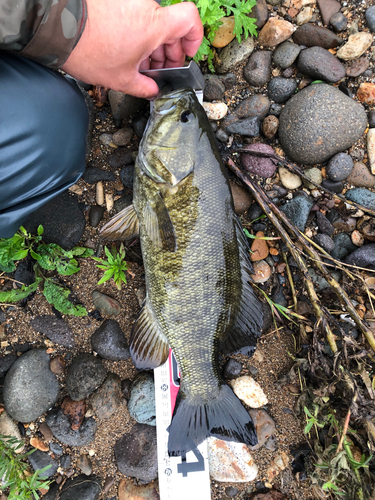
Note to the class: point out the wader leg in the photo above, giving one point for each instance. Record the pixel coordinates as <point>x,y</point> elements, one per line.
<point>43,128</point>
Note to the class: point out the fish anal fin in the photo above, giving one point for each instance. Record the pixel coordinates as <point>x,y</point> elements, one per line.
<point>158,224</point>
<point>247,325</point>
<point>148,345</point>
<point>123,226</point>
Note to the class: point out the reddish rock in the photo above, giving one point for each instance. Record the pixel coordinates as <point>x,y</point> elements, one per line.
<point>270,126</point>
<point>264,425</point>
<point>46,431</point>
<point>75,411</point>
<point>262,272</point>
<point>57,365</point>
<point>264,167</point>
<point>366,93</point>
<point>241,198</point>
<point>327,9</point>
<point>357,67</point>
<point>274,32</point>
<point>259,248</point>
<point>38,444</point>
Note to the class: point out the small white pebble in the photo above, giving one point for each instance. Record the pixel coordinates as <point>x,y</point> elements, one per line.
<point>215,110</point>
<point>99,193</point>
<point>92,452</point>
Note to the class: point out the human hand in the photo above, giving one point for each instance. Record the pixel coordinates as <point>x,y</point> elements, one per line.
<point>122,37</point>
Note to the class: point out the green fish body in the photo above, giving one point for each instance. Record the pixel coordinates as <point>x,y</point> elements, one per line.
<point>197,269</point>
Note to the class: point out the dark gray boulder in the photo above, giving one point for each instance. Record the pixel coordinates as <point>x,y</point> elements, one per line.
<point>318,63</point>
<point>85,374</point>
<point>109,341</point>
<point>55,329</point>
<point>59,424</point>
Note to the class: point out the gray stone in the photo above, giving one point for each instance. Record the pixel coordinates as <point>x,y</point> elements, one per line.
<point>333,186</point>
<point>325,242</point>
<point>65,461</point>
<point>81,487</point>
<point>343,246</point>
<point>232,369</point>
<point>371,118</point>
<point>257,71</point>
<point>319,122</point>
<point>297,210</point>
<point>311,35</point>
<point>319,282</point>
<point>109,341</point>
<point>280,89</point>
<point>55,329</point>
<point>56,448</point>
<point>139,123</point>
<point>222,136</point>
<point>324,225</point>
<point>59,424</point>
<point>120,158</point>
<point>106,139</point>
<point>363,257</point>
<point>107,306</point>
<point>214,88</point>
<point>30,388</point>
<point>6,362</point>
<point>362,196</point>
<point>370,18</point>
<point>108,398</point>
<point>339,22</point>
<point>256,105</point>
<point>339,167</point>
<point>275,109</point>
<point>125,201</point>
<point>92,175</point>
<point>136,453</point>
<point>260,13</point>
<point>234,54</point>
<point>248,127</point>
<point>127,176</point>
<point>265,167</point>
<point>327,9</point>
<point>285,54</point>
<point>123,106</point>
<point>96,215</point>
<point>320,64</point>
<point>141,403</point>
<point>84,375</point>
<point>40,459</point>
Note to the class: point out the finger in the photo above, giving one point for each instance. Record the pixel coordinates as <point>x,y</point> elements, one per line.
<point>174,54</point>
<point>140,86</point>
<point>158,58</point>
<point>145,64</point>
<point>183,22</point>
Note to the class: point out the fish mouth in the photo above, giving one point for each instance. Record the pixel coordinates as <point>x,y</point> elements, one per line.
<point>168,99</point>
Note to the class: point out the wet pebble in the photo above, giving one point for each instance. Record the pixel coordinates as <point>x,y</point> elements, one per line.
<point>357,67</point>
<point>92,175</point>
<point>39,459</point>
<point>270,126</point>
<point>127,490</point>
<point>248,127</point>
<point>214,88</point>
<point>264,167</point>
<point>107,306</point>
<point>304,15</point>
<point>215,110</point>
<point>318,280</point>
<point>57,365</point>
<point>318,63</point>
<point>339,22</point>
<point>81,487</point>
<point>120,158</point>
<point>335,187</point>
<point>279,89</point>
<point>357,238</point>
<point>84,375</point>
<point>257,71</point>
<point>84,464</point>
<point>127,176</point>
<point>297,210</point>
<point>108,398</point>
<point>264,425</point>
<point>106,139</point>
<point>262,271</point>
<point>356,45</point>
<point>324,225</point>
<point>327,9</point>
<point>123,136</point>
<point>65,461</point>
<point>285,54</point>
<point>370,18</point>
<point>288,179</point>
<point>249,391</point>
<point>275,109</point>
<point>59,424</point>
<point>259,248</point>
<point>109,341</point>
<point>366,93</point>
<point>325,242</point>
<point>222,136</point>
<point>230,462</point>
<point>339,167</point>
<point>361,176</point>
<point>141,404</point>
<point>242,199</point>
<point>55,329</point>
<point>56,448</point>
<point>96,215</point>
<point>232,369</point>
<point>363,257</point>
<point>362,196</point>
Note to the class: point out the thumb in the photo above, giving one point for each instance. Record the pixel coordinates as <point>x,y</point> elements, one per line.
<point>141,86</point>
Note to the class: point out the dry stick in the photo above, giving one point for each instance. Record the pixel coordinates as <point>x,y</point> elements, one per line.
<point>298,259</point>
<point>299,172</point>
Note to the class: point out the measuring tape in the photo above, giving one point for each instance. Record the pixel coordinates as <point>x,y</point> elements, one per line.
<point>186,477</point>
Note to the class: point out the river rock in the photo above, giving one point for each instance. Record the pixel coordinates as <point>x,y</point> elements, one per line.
<point>59,424</point>
<point>318,280</point>
<point>319,122</point>
<point>106,139</point>
<point>85,374</point>
<point>232,369</point>
<point>320,64</point>
<point>361,176</point>
<point>260,13</point>
<point>96,215</point>
<point>75,411</point>
<point>285,54</point>
<point>274,32</point>
<point>255,105</point>
<point>279,89</point>
<point>370,18</point>
<point>355,46</point>
<point>40,459</point>
<point>259,248</point>
<point>327,9</point>
<point>334,187</point>
<point>214,88</point>
<point>339,167</point>
<point>298,210</point>
<point>257,71</point>
<point>262,271</point>
<point>136,453</point>
<point>315,175</point>
<point>234,54</point>
<point>363,257</point>
<point>92,175</point>
<point>141,403</point>
<point>108,398</point>
<point>339,22</point>
<point>215,110</point>
<point>107,306</point>
<point>242,199</point>
<point>324,225</point>
<point>8,427</point>
<point>371,118</point>
<point>270,126</point>
<point>123,137</point>
<point>224,35</point>
<point>84,464</point>
<point>55,329</point>
<point>366,93</point>
<point>127,176</point>
<point>288,179</point>
<point>56,448</point>
<point>123,106</point>
<point>139,123</point>
<point>343,246</point>
<point>129,491</point>
<point>357,67</point>
<point>304,15</point>
<point>264,425</point>
<point>248,127</point>
<point>371,149</point>
<point>325,242</point>
<point>120,157</point>
<point>230,461</point>
<point>311,35</point>
<point>264,167</point>
<point>81,487</point>
<point>249,391</point>
<point>30,371</point>
<point>362,196</point>
<point>109,341</point>
<point>5,364</point>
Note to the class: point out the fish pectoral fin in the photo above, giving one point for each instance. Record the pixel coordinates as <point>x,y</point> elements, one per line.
<point>123,226</point>
<point>158,224</point>
<point>247,326</point>
<point>148,345</point>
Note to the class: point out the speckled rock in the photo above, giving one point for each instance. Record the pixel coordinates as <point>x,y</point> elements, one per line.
<point>215,110</point>
<point>249,391</point>
<point>31,371</point>
<point>214,88</point>
<point>371,149</point>
<point>288,179</point>
<point>255,105</point>
<point>361,176</point>
<point>343,246</point>
<point>141,403</point>
<point>356,45</point>
<point>61,429</point>
<point>224,35</point>
<point>127,490</point>
<point>39,459</point>
<point>270,126</point>
<point>363,257</point>
<point>108,398</point>
<point>264,425</point>
<point>242,199</point>
<point>297,210</point>
<point>339,167</point>
<point>319,122</point>
<point>264,167</point>
<point>274,32</point>
<point>311,35</point>
<point>339,22</point>
<point>314,174</point>
<point>109,341</point>
<point>230,462</point>
<point>325,242</point>
<point>257,71</point>
<point>234,54</point>
<point>279,89</point>
<point>362,196</point>
<point>55,329</point>
<point>285,54</point>
<point>85,374</point>
<point>318,63</point>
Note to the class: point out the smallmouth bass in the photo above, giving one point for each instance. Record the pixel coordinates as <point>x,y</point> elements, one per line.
<point>197,270</point>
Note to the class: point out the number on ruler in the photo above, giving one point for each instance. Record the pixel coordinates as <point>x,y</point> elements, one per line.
<point>185,467</point>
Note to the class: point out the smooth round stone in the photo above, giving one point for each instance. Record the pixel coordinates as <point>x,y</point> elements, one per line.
<point>230,462</point>
<point>84,464</point>
<point>324,225</point>
<point>362,196</point>
<point>334,186</point>
<point>59,424</point>
<point>270,126</point>
<point>109,341</point>
<point>319,64</point>
<point>139,123</point>
<point>285,54</point>
<point>232,369</point>
<point>371,118</point>
<point>56,448</point>
<point>257,71</point>
<point>107,306</point>
<point>222,136</point>
<point>339,22</point>
<point>92,175</point>
<point>141,403</point>
<point>249,391</point>
<point>231,492</point>
<point>314,174</point>
<point>311,35</point>
<point>65,462</point>
<point>224,35</point>
<point>264,425</point>
<point>370,18</point>
<point>339,167</point>
<point>254,106</point>
<point>108,398</point>
<point>363,257</point>
<point>275,109</point>
<point>120,158</point>
<point>234,54</point>
<point>280,89</point>
<point>357,238</point>
<point>264,167</point>
<point>298,210</point>
<point>84,375</point>
<point>358,67</point>
<point>40,459</point>
<point>81,487</point>
<point>214,88</point>
<point>288,179</point>
<point>319,122</point>
<point>123,136</point>
<point>356,45</point>
<point>262,272</point>
<point>96,215</point>
<point>325,242</point>
<point>106,139</point>
<point>30,388</point>
<point>343,246</point>
<point>127,176</point>
<point>255,211</point>
<point>242,199</point>
<point>215,110</point>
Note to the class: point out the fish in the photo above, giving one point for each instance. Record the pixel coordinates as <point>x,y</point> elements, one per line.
<point>199,300</point>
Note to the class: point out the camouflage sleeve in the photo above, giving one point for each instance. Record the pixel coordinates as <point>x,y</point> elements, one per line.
<point>43,30</point>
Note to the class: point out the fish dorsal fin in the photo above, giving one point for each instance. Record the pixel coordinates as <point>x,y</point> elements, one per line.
<point>158,224</point>
<point>248,323</point>
<point>123,226</point>
<point>148,345</point>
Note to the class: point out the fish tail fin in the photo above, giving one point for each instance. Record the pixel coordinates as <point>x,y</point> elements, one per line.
<point>223,417</point>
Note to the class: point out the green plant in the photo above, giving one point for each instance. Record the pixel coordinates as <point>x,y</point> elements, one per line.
<point>47,256</point>
<point>114,267</point>
<point>15,473</point>
<point>312,420</point>
<point>211,12</point>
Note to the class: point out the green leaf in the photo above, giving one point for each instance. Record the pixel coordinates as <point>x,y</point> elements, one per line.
<point>106,276</point>
<point>67,268</point>
<point>21,254</point>
<point>82,251</point>
<point>58,297</point>
<point>40,230</point>
<point>15,295</point>
<point>308,426</point>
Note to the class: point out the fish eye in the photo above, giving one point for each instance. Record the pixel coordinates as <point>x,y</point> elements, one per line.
<point>185,116</point>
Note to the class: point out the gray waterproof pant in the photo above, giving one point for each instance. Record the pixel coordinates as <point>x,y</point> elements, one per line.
<point>43,128</point>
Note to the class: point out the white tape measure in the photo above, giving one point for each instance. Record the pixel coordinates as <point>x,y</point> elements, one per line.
<point>186,477</point>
